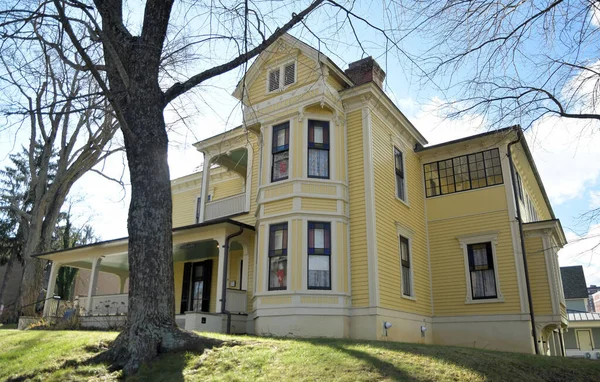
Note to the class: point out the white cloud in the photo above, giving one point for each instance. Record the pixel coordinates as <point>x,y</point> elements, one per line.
<point>594,199</point>
<point>585,251</point>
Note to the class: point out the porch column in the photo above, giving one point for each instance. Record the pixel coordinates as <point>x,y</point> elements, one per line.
<point>244,285</point>
<point>204,189</point>
<point>51,287</point>
<point>93,282</point>
<point>122,281</point>
<point>220,269</point>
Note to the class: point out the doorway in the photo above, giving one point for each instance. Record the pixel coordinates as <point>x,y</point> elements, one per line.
<point>195,291</point>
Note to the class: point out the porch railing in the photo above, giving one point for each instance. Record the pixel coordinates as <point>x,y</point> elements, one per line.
<point>225,207</point>
<point>107,304</point>
<point>236,301</point>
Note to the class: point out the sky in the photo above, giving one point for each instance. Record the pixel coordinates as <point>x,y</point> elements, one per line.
<point>566,152</point>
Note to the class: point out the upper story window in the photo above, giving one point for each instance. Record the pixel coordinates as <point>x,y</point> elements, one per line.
<point>406,267</point>
<point>319,255</point>
<point>463,173</point>
<point>318,149</point>
<point>278,238</point>
<point>531,209</point>
<point>481,268</point>
<point>280,152</point>
<point>400,178</point>
<point>280,77</point>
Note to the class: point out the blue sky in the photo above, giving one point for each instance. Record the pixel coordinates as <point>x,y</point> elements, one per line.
<point>568,160</point>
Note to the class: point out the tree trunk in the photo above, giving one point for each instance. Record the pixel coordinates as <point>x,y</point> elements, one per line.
<point>32,282</point>
<point>151,328</point>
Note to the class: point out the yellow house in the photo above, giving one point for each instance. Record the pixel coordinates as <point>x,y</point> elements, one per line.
<point>326,214</point>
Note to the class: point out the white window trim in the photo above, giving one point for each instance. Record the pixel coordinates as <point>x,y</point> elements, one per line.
<point>400,146</point>
<point>486,237</point>
<point>281,68</point>
<point>407,233</point>
<point>266,282</point>
<point>321,118</point>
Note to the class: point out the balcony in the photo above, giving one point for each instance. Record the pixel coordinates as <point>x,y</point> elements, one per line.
<point>225,207</point>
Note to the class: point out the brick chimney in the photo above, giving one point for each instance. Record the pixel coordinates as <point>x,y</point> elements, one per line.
<point>365,70</point>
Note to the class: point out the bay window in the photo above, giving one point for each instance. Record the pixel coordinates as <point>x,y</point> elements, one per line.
<point>318,149</point>
<point>280,152</point>
<point>278,237</point>
<point>319,255</point>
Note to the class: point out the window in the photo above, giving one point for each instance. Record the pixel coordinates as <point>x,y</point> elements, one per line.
<point>531,209</point>
<point>319,255</point>
<point>519,186</point>
<point>281,152</point>
<point>318,149</point>
<point>463,173</point>
<point>278,236</point>
<point>405,265</point>
<point>285,75</point>
<point>399,164</point>
<point>481,271</point>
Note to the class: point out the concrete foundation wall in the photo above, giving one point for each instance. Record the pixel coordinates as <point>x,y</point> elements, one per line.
<point>303,326</point>
<point>479,332</point>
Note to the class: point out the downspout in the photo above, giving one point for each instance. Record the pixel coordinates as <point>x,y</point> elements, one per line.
<point>522,236</point>
<point>224,285</point>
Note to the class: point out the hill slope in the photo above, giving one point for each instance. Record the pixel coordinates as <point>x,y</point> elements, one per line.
<point>61,355</point>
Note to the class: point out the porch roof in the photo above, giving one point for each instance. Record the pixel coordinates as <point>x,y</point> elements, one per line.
<point>186,240</point>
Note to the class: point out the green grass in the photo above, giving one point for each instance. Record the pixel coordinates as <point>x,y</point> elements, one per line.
<point>62,355</point>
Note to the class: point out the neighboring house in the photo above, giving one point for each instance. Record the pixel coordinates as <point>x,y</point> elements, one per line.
<point>583,337</point>
<point>592,307</point>
<point>349,224</point>
<point>575,288</point>
<point>595,302</point>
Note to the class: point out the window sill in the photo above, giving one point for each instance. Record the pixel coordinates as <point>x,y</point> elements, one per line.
<point>280,90</point>
<point>485,301</point>
<point>412,298</point>
<point>403,201</point>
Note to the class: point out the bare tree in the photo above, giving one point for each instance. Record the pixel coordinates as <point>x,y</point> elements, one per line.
<point>225,36</point>
<point>512,61</point>
<point>57,106</point>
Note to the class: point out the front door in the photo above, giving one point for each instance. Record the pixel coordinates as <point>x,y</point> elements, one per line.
<point>584,337</point>
<point>195,291</point>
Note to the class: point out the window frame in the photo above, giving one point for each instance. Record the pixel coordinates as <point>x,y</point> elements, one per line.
<point>489,255</point>
<point>404,180</point>
<point>281,68</point>
<point>272,229</point>
<point>408,241</point>
<point>464,242</point>
<point>325,250</point>
<point>327,148</point>
<point>274,130</point>
<point>468,172</point>
<point>408,234</point>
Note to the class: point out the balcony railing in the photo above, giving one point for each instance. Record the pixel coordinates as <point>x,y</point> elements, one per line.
<point>236,301</point>
<point>106,305</point>
<point>225,207</point>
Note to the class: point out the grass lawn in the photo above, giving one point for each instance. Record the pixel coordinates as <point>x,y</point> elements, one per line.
<point>61,356</point>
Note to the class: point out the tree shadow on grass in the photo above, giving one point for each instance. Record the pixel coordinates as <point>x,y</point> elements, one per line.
<point>489,364</point>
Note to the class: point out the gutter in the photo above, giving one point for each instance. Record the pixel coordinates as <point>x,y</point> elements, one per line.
<point>522,237</point>
<point>224,284</point>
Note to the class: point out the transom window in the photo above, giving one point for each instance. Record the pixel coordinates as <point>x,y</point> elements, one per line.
<point>399,165</point>
<point>319,255</point>
<point>406,267</point>
<point>318,149</point>
<point>463,173</point>
<point>280,152</point>
<point>481,268</point>
<point>278,237</point>
<point>281,77</point>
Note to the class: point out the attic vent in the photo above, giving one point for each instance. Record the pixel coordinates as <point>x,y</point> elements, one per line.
<point>289,74</point>
<point>274,79</point>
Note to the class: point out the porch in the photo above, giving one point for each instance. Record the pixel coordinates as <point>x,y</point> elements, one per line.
<point>210,279</point>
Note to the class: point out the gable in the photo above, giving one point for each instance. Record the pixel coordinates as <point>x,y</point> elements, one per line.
<point>310,66</point>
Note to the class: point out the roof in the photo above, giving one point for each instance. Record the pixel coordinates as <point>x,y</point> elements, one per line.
<point>573,280</point>
<point>199,225</point>
<point>504,131</point>
<point>584,316</point>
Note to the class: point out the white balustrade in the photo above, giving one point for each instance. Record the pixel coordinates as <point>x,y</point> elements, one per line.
<point>236,301</point>
<point>225,207</point>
